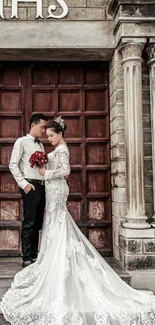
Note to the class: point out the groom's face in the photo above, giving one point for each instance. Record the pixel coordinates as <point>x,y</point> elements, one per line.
<point>39,128</point>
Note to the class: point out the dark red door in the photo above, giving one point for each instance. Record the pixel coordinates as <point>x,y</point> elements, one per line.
<point>79,93</point>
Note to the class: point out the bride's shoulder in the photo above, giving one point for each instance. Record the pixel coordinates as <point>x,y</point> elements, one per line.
<point>62,148</point>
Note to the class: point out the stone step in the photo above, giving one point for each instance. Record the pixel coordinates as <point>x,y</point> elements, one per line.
<point>8,270</point>
<point>9,267</point>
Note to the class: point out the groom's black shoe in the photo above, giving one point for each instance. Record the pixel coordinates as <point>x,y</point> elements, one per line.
<point>26,263</point>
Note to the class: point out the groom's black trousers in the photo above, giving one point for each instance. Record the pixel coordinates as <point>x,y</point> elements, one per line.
<point>33,212</point>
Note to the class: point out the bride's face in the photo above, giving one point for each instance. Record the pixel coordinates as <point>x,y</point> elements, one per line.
<point>53,137</point>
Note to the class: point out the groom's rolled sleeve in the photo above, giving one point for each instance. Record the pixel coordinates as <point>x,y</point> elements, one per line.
<point>14,164</point>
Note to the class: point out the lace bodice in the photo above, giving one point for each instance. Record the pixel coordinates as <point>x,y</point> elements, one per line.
<point>56,187</point>
<point>58,165</point>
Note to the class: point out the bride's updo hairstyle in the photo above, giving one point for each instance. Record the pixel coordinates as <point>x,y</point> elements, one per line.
<point>56,126</point>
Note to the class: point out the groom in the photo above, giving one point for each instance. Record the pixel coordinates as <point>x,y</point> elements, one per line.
<point>32,186</point>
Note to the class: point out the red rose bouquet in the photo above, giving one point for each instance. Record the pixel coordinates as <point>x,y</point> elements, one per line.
<point>38,159</point>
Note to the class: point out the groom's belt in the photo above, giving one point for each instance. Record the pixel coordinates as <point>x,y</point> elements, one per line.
<point>37,181</point>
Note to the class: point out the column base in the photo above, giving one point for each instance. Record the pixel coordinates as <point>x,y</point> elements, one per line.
<point>130,225</point>
<point>137,249</point>
<point>136,222</point>
<point>137,233</point>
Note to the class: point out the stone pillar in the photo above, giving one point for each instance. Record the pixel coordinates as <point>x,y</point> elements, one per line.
<point>133,123</point>
<point>151,53</point>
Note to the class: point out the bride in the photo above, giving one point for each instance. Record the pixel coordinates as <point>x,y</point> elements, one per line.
<point>70,283</point>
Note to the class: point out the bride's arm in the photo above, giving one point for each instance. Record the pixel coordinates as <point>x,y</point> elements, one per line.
<point>63,168</point>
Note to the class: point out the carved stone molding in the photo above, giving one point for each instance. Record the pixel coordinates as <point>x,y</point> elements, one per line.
<point>132,19</point>
<point>131,51</point>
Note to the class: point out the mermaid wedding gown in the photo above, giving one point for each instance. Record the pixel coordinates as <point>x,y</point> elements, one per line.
<point>70,283</point>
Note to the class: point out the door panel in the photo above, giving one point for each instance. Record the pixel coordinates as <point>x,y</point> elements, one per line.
<point>79,93</point>
<point>11,122</point>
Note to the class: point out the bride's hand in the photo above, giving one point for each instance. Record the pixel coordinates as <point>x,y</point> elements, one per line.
<point>41,171</point>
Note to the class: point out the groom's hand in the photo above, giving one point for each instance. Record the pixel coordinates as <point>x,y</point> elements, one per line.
<point>28,188</point>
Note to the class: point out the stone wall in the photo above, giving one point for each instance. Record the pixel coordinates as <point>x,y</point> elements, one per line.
<point>118,183</point>
<point>85,33</point>
<point>95,10</point>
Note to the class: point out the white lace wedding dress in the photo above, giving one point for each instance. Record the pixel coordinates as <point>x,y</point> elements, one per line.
<point>70,283</point>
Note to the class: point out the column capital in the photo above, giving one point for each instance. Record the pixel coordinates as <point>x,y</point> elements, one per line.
<point>131,51</point>
<point>151,53</point>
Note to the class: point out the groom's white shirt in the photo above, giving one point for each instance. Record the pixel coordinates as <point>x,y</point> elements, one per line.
<point>19,165</point>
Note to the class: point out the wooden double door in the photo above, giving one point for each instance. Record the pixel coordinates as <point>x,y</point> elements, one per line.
<point>79,93</point>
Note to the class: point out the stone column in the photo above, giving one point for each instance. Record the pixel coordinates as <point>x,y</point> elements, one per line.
<point>135,218</point>
<point>151,53</point>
